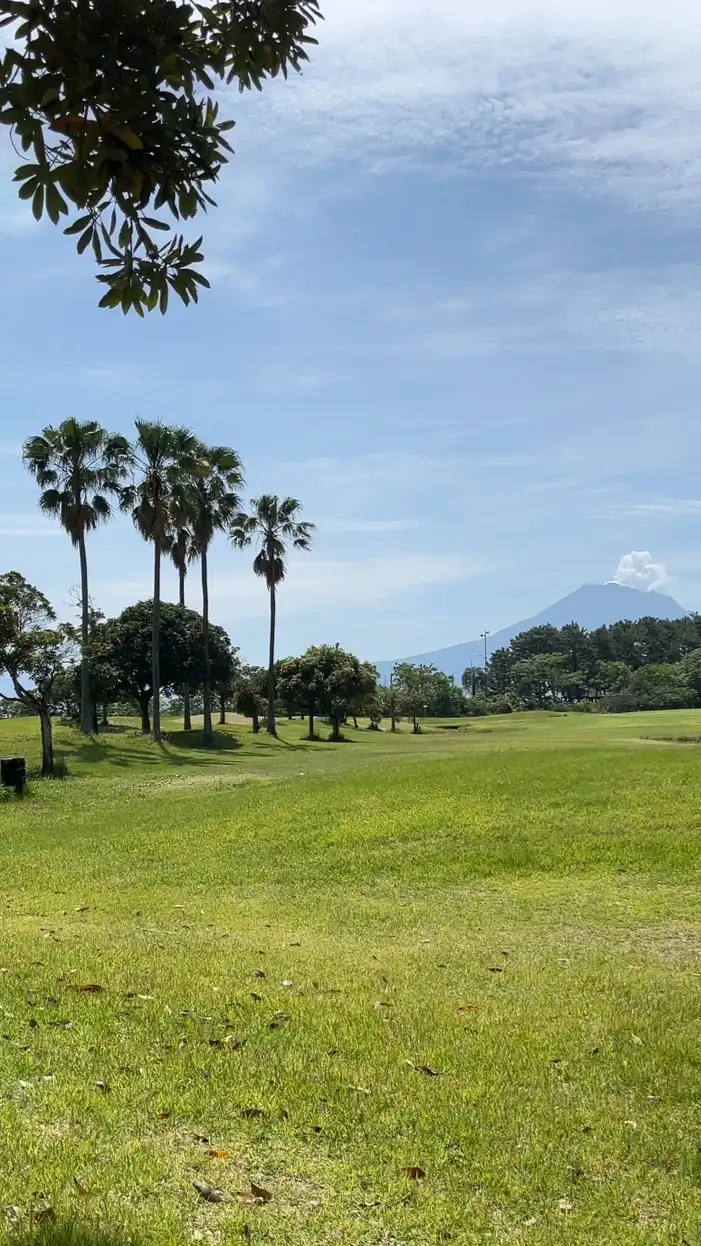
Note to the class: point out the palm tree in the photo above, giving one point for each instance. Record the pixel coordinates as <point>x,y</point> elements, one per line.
<point>181,555</point>
<point>162,456</point>
<point>209,499</point>
<point>271,524</point>
<point>81,469</point>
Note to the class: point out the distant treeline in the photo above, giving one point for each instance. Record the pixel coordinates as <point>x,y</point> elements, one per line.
<point>649,664</point>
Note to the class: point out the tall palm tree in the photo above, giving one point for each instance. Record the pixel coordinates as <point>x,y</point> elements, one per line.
<point>209,499</point>
<point>272,524</point>
<point>81,470</point>
<point>162,456</point>
<point>182,554</point>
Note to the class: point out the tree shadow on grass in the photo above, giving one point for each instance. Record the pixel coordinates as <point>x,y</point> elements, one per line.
<point>62,1232</point>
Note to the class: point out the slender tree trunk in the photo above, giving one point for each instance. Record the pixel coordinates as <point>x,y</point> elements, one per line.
<point>86,708</point>
<point>311,724</point>
<point>256,723</point>
<point>105,718</point>
<point>144,703</point>
<point>156,639</point>
<point>272,725</point>
<point>208,731</point>
<point>222,710</point>
<point>187,716</point>
<point>47,743</point>
<point>335,727</point>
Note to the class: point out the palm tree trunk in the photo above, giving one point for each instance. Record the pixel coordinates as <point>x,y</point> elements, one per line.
<point>187,716</point>
<point>272,725</point>
<point>156,640</point>
<point>86,709</point>
<point>208,732</point>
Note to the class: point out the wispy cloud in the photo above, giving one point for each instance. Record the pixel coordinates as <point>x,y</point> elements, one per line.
<point>339,526</point>
<point>314,586</point>
<point>27,526</point>
<point>606,96</point>
<point>659,510</point>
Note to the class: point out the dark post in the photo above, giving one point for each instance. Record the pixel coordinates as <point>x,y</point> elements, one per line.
<point>13,773</point>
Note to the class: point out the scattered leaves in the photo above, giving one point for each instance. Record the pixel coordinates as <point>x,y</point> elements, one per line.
<point>229,1043</point>
<point>209,1193</point>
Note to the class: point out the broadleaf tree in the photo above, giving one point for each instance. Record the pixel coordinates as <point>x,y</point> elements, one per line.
<point>113,107</point>
<point>34,651</point>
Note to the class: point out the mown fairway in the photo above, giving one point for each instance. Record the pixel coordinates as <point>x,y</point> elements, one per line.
<point>290,940</point>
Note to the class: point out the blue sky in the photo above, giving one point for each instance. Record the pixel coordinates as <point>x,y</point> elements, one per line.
<point>456,309</point>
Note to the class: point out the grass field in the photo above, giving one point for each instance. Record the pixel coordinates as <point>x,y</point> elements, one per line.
<point>416,990</point>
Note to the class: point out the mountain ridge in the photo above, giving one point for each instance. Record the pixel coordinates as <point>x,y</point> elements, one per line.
<point>591,605</point>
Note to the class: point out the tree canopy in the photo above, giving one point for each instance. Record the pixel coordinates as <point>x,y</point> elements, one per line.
<point>112,103</point>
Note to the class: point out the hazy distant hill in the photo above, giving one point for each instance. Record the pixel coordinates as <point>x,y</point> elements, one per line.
<point>592,605</point>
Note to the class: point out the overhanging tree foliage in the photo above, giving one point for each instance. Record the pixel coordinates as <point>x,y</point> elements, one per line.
<point>110,102</point>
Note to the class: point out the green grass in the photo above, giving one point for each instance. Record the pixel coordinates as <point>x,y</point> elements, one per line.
<point>515,905</point>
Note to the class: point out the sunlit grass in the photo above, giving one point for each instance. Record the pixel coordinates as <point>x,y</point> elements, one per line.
<point>515,907</point>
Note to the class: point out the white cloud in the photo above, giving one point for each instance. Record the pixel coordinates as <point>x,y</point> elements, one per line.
<point>637,570</point>
<point>604,95</point>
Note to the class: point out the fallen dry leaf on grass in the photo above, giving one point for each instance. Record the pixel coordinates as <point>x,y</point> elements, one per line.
<point>380,1004</point>
<point>216,1154</point>
<point>496,969</point>
<point>469,1007</point>
<point>81,1185</point>
<point>257,999</point>
<point>425,1069</point>
<point>87,988</point>
<point>209,1193</point>
<point>254,1114</point>
<point>164,1116</point>
<point>104,1087</point>
<point>255,1197</point>
<point>259,973</point>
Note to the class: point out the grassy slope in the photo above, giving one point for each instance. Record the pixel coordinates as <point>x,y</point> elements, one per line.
<point>385,880</point>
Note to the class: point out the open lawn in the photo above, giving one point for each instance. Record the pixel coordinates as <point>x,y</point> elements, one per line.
<point>410,990</point>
